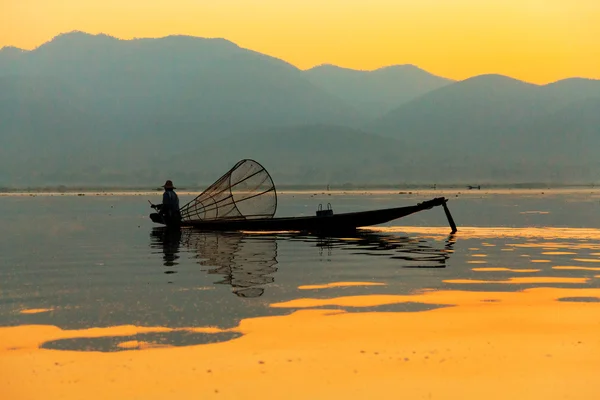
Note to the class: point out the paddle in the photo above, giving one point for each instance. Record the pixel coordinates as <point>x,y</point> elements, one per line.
<point>449,216</point>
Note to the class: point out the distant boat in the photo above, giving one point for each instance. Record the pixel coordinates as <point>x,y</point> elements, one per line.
<point>245,199</point>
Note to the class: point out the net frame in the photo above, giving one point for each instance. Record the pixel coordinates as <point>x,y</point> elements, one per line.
<point>218,201</point>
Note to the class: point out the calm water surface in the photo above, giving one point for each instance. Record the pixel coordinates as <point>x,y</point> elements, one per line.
<point>98,261</point>
<point>78,262</point>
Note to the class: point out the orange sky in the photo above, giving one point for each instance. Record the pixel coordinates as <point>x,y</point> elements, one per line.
<point>534,40</point>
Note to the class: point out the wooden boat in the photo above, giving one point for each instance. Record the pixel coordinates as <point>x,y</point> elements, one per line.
<point>315,224</point>
<point>244,199</point>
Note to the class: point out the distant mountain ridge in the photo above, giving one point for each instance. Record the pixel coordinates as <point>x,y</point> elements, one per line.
<point>376,91</point>
<point>93,109</point>
<point>499,124</point>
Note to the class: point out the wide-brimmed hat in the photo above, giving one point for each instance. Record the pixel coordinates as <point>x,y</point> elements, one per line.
<point>168,185</point>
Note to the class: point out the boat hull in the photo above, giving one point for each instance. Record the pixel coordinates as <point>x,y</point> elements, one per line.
<point>314,224</point>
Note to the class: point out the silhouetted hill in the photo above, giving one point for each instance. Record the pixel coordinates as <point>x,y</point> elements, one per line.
<point>307,154</point>
<point>567,136</point>
<point>572,90</point>
<point>11,53</point>
<point>316,154</point>
<point>40,123</point>
<point>378,91</point>
<point>181,85</point>
<point>472,107</point>
<point>462,109</point>
<point>508,128</point>
<point>94,110</point>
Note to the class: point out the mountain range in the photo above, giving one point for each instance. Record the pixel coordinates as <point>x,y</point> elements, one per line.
<point>95,110</point>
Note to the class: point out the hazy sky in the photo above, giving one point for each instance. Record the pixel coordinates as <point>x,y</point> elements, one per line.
<point>534,40</point>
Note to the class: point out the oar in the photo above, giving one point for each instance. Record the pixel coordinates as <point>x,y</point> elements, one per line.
<point>449,216</point>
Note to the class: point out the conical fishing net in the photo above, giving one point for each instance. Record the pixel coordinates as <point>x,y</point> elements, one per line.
<point>246,191</point>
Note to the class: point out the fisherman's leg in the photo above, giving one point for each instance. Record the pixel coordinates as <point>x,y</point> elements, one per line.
<point>157,218</point>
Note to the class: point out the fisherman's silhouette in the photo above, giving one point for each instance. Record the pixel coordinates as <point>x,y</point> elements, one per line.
<point>168,211</point>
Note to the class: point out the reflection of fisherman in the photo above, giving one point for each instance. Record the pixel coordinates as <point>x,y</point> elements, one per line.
<point>169,209</point>
<point>170,244</point>
<point>169,240</point>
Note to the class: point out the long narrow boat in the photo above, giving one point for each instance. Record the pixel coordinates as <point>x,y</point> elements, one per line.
<point>326,223</point>
<point>244,199</point>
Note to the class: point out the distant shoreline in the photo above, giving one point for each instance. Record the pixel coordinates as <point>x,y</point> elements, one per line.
<point>422,191</point>
<point>302,188</point>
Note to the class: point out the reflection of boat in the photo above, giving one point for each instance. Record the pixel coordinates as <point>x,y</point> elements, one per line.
<point>244,199</point>
<point>246,262</point>
<point>414,253</point>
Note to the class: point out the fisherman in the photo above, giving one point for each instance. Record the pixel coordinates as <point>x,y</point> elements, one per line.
<point>169,209</point>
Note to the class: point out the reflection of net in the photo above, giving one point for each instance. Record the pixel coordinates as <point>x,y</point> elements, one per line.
<point>245,192</point>
<point>244,262</point>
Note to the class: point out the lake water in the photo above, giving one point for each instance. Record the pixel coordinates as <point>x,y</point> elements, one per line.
<point>97,302</point>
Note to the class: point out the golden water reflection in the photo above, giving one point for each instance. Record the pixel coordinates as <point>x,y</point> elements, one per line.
<point>339,284</point>
<point>520,280</point>
<point>500,269</point>
<point>576,268</point>
<point>457,336</point>
<point>467,232</point>
<point>35,310</point>
<point>489,345</point>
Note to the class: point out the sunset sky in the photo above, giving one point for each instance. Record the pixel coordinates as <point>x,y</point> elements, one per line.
<point>535,40</point>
